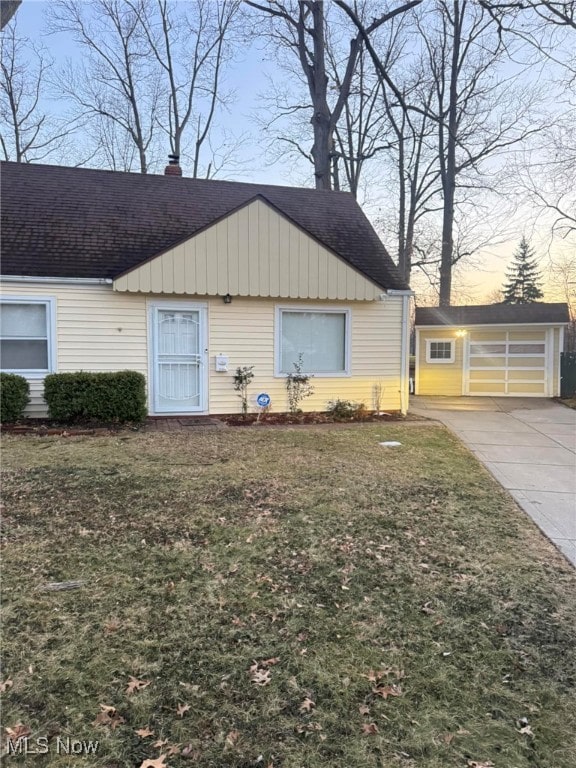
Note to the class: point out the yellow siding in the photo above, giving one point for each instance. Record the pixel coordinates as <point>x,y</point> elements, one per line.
<point>99,329</point>
<point>254,252</point>
<point>439,378</point>
<point>96,330</point>
<point>244,330</point>
<point>446,379</point>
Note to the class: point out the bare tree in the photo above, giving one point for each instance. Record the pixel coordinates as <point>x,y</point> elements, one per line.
<point>546,177</point>
<point>300,26</point>
<point>563,286</point>
<point>416,171</point>
<point>115,84</point>
<point>28,132</point>
<point>547,174</point>
<point>360,135</point>
<point>478,113</point>
<point>561,13</point>
<point>151,69</point>
<point>191,49</point>
<point>113,147</point>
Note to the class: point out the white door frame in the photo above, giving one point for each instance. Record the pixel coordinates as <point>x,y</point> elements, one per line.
<point>183,306</point>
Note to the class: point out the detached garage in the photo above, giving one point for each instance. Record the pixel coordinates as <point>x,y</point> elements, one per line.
<point>493,350</point>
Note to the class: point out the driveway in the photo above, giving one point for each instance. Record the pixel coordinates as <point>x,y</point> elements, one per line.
<point>529,445</point>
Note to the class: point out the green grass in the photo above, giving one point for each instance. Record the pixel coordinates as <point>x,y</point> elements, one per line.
<point>315,554</point>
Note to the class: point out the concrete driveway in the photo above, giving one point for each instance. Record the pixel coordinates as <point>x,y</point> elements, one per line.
<point>529,445</point>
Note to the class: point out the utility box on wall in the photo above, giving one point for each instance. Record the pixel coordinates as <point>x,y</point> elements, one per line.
<point>221,363</point>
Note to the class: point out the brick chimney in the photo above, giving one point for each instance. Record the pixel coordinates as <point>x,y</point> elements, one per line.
<point>173,167</point>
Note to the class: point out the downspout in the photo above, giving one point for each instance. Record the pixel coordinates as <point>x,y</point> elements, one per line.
<point>404,349</point>
<point>558,392</point>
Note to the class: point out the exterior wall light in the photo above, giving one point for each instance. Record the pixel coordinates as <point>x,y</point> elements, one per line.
<point>461,333</point>
<point>227,299</point>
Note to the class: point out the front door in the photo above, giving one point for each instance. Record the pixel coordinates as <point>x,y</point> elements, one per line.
<point>179,359</point>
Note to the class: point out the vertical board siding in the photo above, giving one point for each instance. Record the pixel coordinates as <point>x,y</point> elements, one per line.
<point>253,252</point>
<point>96,330</point>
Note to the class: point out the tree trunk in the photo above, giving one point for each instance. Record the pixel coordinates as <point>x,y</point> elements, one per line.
<point>322,117</point>
<point>449,178</point>
<point>403,267</point>
<point>447,248</point>
<point>409,237</point>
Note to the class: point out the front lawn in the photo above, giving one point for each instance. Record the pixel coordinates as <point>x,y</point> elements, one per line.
<point>282,598</point>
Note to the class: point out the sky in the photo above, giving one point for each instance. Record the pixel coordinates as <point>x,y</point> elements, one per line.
<point>249,78</point>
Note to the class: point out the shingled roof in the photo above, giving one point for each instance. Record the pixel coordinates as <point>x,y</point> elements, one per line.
<point>80,222</point>
<point>493,314</point>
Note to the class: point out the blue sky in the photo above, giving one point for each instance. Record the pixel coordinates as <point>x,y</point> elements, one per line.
<point>248,78</point>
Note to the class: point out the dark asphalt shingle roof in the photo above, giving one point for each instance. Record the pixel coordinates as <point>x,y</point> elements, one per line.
<point>79,222</point>
<point>493,314</point>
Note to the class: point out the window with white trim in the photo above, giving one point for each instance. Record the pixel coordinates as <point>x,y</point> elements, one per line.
<point>320,336</point>
<point>26,335</point>
<point>439,350</point>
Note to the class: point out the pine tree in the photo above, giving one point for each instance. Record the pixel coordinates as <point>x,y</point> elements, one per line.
<point>523,278</point>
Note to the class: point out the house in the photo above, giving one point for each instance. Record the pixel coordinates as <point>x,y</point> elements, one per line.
<point>186,279</point>
<point>494,349</point>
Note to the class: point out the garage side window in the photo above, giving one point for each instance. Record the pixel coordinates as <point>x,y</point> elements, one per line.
<point>26,336</point>
<point>439,351</point>
<point>321,337</point>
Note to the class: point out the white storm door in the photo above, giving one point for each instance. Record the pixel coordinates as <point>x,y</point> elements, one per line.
<point>179,370</point>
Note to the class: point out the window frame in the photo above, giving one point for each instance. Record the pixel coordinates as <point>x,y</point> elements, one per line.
<point>443,360</point>
<point>316,309</point>
<point>50,303</point>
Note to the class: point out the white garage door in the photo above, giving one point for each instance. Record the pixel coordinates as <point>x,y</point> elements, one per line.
<point>507,363</point>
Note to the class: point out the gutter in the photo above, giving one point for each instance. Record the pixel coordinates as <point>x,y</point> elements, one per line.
<point>62,280</point>
<point>404,351</point>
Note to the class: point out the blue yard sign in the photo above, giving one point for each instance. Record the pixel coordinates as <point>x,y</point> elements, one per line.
<point>263,400</point>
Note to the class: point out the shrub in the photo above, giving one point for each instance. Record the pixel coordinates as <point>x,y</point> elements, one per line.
<point>298,386</point>
<point>14,396</point>
<point>344,410</point>
<point>119,396</point>
<point>242,379</point>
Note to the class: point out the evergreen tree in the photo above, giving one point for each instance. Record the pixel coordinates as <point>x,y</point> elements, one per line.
<point>523,278</point>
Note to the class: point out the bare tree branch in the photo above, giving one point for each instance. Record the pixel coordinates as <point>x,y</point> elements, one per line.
<point>301,27</point>
<point>28,132</point>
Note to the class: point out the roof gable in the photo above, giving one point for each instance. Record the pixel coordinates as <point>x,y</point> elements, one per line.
<point>253,251</point>
<point>79,222</point>
<point>493,314</point>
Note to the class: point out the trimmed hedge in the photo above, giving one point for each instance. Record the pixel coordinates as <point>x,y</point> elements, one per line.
<point>119,396</point>
<point>14,396</point>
